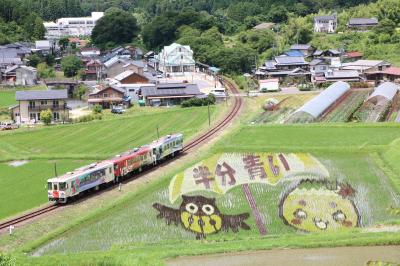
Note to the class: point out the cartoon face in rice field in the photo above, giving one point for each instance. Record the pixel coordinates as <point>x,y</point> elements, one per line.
<point>320,206</point>
<point>201,216</point>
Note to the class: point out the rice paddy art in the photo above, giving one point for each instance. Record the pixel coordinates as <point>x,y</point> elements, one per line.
<point>320,206</point>
<point>201,216</point>
<point>222,172</point>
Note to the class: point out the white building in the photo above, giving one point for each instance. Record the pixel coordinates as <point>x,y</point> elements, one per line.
<point>63,27</point>
<point>326,24</point>
<point>176,58</point>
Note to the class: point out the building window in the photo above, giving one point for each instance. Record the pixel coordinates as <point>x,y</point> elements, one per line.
<point>43,102</point>
<point>55,103</point>
<point>16,114</point>
<point>105,95</point>
<point>31,104</point>
<point>56,116</point>
<point>38,116</point>
<point>32,116</point>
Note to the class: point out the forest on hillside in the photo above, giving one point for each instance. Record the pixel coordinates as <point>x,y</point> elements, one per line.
<point>219,31</point>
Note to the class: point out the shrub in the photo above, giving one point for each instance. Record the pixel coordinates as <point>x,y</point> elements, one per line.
<point>359,85</point>
<point>7,260</point>
<point>87,118</point>
<point>46,116</point>
<point>209,100</point>
<point>97,109</point>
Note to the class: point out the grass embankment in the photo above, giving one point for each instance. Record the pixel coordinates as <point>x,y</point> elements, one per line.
<point>77,144</point>
<point>129,233</point>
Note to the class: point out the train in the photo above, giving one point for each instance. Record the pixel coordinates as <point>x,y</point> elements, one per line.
<point>92,177</point>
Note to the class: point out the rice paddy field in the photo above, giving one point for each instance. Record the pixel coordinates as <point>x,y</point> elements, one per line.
<point>322,185</point>
<point>71,146</point>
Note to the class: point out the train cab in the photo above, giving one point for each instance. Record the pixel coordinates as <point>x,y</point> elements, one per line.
<point>57,190</point>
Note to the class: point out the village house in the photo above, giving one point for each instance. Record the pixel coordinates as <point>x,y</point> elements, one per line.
<point>319,66</point>
<point>90,52</point>
<point>78,26</point>
<point>43,47</point>
<point>107,97</point>
<point>352,56</point>
<point>94,70</point>
<point>31,103</point>
<point>363,66</point>
<point>305,49</point>
<point>327,53</point>
<point>131,82</point>
<point>362,24</point>
<point>389,74</point>
<point>169,93</point>
<point>25,76</point>
<point>13,54</point>
<point>327,24</point>
<point>117,65</point>
<point>176,58</point>
<point>9,75</point>
<point>77,42</point>
<point>338,75</point>
<point>285,66</point>
<point>264,26</point>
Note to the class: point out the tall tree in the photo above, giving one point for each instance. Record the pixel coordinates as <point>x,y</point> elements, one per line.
<point>116,27</point>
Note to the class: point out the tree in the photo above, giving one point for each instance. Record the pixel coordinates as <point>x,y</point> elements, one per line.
<point>117,26</point>
<point>97,109</point>
<point>46,116</point>
<point>71,65</point>
<point>63,43</point>
<point>158,33</point>
<point>80,91</point>
<point>38,29</point>
<point>34,60</point>
<point>44,71</point>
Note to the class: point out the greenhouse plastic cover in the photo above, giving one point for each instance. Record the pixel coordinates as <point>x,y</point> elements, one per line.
<point>316,106</point>
<point>387,90</point>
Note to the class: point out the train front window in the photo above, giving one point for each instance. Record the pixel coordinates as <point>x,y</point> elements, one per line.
<point>63,185</point>
<point>55,186</point>
<point>49,186</point>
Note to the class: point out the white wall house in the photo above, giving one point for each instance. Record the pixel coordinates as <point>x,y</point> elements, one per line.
<point>81,26</point>
<point>176,58</point>
<point>326,24</point>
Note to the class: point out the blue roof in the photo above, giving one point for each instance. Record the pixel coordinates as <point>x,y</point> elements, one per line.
<point>294,53</point>
<point>214,69</point>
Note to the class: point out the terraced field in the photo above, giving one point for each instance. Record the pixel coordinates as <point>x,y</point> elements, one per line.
<point>346,108</point>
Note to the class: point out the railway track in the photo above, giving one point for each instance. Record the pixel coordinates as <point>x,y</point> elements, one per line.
<point>238,102</point>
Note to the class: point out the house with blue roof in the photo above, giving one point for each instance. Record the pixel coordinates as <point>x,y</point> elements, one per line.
<point>176,58</point>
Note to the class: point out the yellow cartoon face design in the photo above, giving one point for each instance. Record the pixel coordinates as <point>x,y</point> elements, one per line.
<point>320,209</point>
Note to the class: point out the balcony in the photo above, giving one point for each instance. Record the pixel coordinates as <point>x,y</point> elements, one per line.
<point>39,108</point>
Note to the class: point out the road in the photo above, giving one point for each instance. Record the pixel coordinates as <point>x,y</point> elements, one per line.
<point>342,256</point>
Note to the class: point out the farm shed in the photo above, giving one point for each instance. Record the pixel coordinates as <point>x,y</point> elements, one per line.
<point>386,90</point>
<point>316,106</point>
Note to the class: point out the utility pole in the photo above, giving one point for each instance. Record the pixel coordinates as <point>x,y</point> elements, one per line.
<point>209,119</point>
<point>55,169</point>
<point>158,133</point>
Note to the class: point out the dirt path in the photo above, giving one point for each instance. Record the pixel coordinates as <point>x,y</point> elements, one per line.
<point>342,256</point>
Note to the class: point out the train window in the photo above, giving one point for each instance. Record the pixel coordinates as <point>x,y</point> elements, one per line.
<point>55,186</point>
<point>63,185</point>
<point>109,169</point>
<point>49,186</point>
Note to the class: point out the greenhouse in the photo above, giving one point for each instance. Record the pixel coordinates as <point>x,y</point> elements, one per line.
<point>315,107</point>
<point>386,90</point>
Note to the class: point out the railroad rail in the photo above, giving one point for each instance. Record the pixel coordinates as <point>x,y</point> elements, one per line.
<point>237,105</point>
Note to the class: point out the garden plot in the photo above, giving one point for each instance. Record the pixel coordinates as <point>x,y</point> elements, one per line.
<point>248,195</point>
<point>286,106</point>
<point>346,108</point>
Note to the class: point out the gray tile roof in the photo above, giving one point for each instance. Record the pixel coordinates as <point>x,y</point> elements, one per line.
<point>363,21</point>
<point>171,89</point>
<point>326,17</point>
<point>290,60</point>
<point>41,95</point>
<point>300,47</point>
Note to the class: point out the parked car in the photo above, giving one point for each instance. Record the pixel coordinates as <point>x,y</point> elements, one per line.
<point>7,126</point>
<point>117,110</point>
